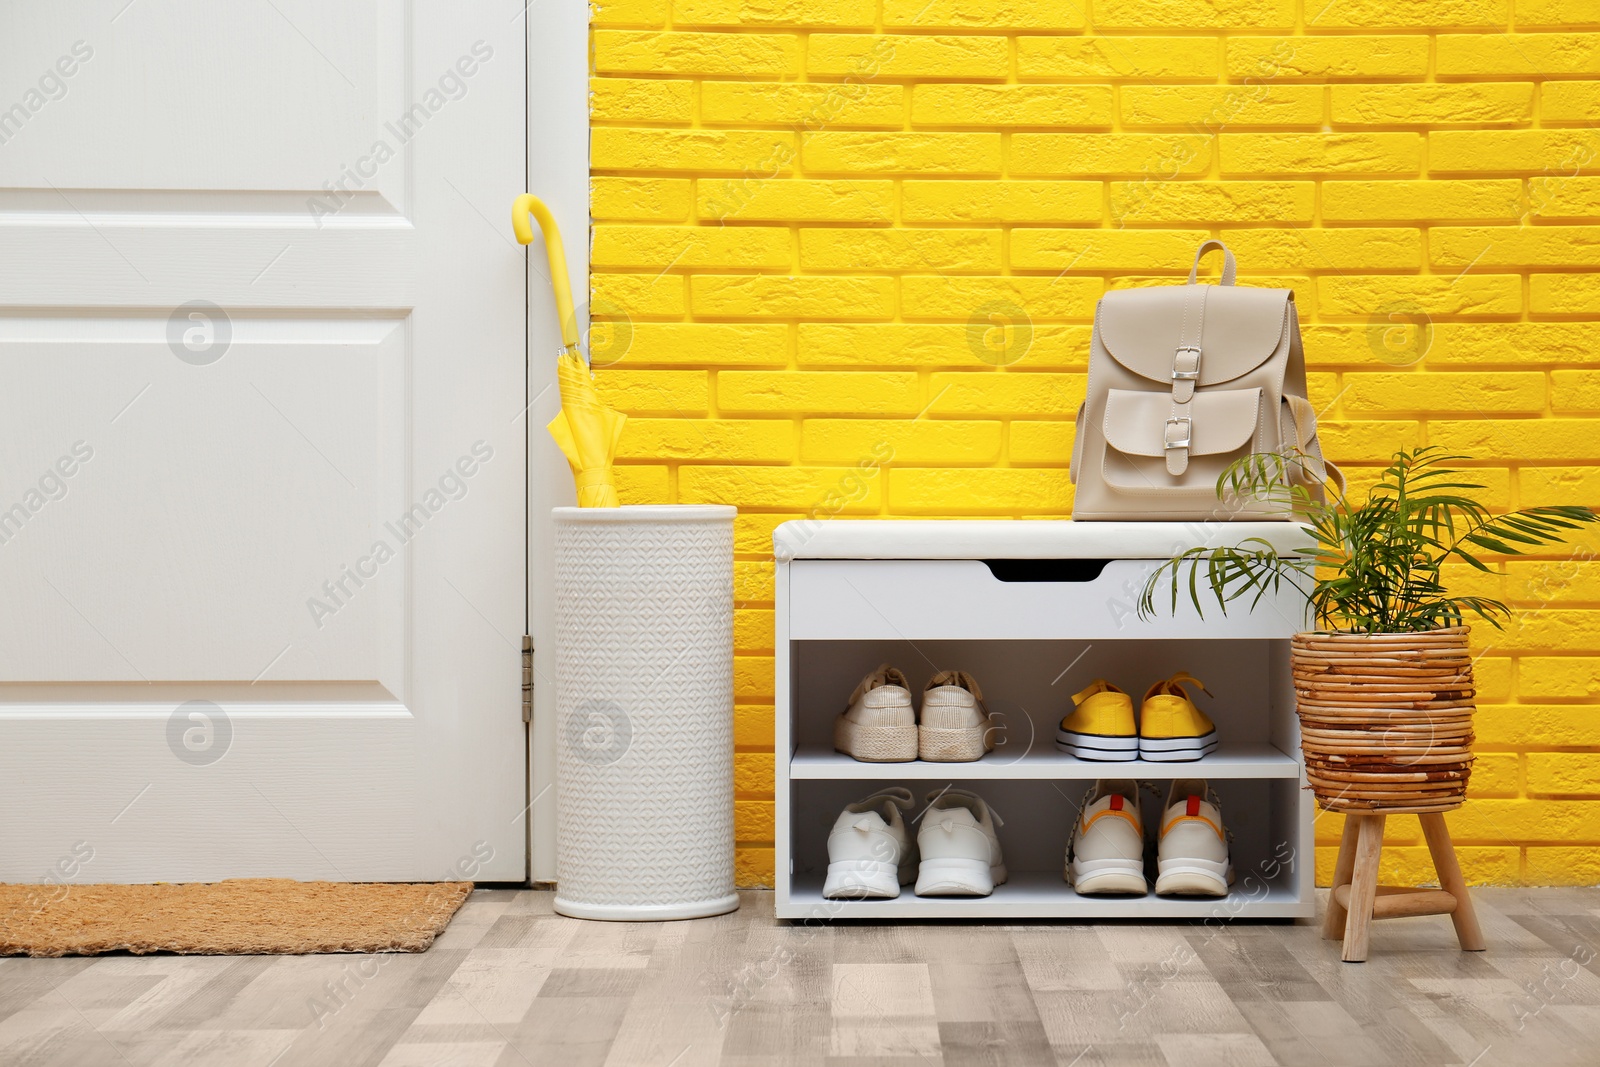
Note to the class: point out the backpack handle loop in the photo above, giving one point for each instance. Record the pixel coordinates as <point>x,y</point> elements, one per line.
<point>1229,268</point>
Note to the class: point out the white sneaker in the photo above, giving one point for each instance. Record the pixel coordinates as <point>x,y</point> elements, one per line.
<point>1107,850</point>
<point>1192,857</point>
<point>869,851</point>
<point>880,725</point>
<point>955,724</point>
<point>960,850</point>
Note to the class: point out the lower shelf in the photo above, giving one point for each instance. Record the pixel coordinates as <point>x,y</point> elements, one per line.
<point>1232,760</point>
<point>1045,895</point>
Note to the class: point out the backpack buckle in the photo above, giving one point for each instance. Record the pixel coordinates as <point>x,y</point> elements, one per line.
<point>1190,373</point>
<point>1183,442</point>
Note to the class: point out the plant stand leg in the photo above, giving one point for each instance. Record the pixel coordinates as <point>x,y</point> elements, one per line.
<point>1363,886</point>
<point>1451,881</point>
<point>1333,922</point>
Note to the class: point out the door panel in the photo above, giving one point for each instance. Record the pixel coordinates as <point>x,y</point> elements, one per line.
<point>284,461</point>
<point>262,443</point>
<point>267,97</point>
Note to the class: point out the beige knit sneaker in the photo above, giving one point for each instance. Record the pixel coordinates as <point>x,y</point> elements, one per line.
<point>955,724</point>
<point>880,726</point>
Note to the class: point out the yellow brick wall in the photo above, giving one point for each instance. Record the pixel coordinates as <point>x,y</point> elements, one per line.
<point>848,253</point>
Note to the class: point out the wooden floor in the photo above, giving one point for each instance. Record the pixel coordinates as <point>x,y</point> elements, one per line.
<point>510,984</point>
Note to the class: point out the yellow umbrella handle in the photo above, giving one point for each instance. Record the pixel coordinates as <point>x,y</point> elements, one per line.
<point>528,204</point>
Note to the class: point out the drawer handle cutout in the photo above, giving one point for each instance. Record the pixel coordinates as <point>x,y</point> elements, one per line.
<point>1046,570</point>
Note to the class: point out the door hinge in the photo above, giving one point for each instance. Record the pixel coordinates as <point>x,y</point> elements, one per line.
<point>527,677</point>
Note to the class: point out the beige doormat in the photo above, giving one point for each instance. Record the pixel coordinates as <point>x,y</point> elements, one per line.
<point>244,916</point>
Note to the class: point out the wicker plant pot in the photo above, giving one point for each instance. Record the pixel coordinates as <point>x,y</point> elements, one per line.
<point>1385,719</point>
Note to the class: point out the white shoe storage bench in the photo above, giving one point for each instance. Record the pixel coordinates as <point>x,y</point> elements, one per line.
<point>1034,610</point>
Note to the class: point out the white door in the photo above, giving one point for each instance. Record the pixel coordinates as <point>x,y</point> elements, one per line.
<point>262,441</point>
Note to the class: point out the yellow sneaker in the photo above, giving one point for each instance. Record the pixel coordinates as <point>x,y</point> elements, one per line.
<point>1171,728</point>
<point>1101,725</point>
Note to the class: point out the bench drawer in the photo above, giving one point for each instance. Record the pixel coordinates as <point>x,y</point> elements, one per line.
<point>911,599</point>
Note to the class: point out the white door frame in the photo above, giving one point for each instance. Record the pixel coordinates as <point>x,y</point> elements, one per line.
<point>558,173</point>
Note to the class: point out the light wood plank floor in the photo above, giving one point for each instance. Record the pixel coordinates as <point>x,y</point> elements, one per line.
<point>512,984</point>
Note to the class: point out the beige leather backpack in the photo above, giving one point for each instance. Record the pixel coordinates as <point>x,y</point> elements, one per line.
<point>1183,380</point>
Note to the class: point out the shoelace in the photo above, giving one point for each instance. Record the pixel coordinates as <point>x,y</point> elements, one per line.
<point>884,675</point>
<point>959,679</point>
<point>1174,687</point>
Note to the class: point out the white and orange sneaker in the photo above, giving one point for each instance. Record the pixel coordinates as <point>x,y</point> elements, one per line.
<point>1192,855</point>
<point>1107,850</point>
<point>880,725</point>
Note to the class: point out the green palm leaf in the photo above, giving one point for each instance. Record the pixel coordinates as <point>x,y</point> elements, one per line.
<point>1375,566</point>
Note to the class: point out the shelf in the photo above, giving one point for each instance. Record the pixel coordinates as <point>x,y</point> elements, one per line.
<point>1045,895</point>
<point>1229,761</point>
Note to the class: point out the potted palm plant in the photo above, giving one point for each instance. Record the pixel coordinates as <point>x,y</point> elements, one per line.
<point>1383,686</point>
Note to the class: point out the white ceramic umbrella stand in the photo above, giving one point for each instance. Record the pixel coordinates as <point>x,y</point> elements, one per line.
<point>644,711</point>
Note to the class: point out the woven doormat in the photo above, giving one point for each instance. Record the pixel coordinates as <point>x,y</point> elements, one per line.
<point>245,916</point>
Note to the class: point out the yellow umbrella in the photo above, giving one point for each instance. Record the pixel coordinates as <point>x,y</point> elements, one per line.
<point>586,429</point>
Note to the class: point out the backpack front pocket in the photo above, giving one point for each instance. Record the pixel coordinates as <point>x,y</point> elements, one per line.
<point>1221,426</point>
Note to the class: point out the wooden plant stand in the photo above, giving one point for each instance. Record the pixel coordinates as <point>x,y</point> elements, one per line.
<point>1357,898</point>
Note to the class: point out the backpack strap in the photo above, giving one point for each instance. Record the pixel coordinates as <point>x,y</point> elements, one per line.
<point>1077,444</point>
<point>1304,418</point>
<point>1178,431</point>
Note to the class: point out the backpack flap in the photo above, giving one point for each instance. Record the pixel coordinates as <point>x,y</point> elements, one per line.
<point>1239,329</point>
<point>1221,427</point>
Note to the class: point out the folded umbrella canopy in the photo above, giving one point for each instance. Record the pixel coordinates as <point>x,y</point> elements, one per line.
<point>586,429</point>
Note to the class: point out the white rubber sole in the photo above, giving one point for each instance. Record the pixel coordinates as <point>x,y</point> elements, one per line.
<point>1098,747</point>
<point>1115,876</point>
<point>1193,878</point>
<point>1177,749</point>
<point>951,746</point>
<point>958,878</point>
<point>875,744</point>
<point>861,880</point>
